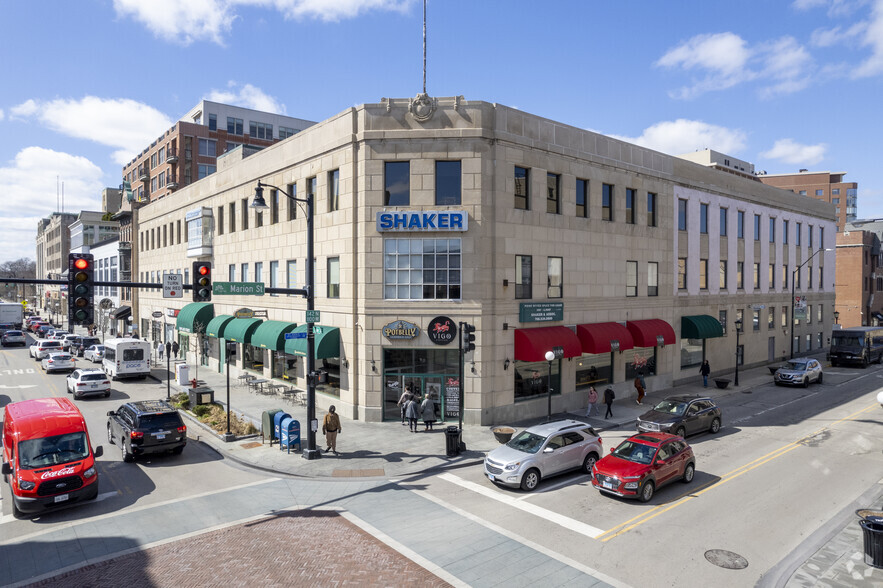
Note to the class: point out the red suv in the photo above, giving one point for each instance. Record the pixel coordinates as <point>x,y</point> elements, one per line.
<point>642,463</point>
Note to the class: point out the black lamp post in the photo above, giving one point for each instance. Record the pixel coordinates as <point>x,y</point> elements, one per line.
<point>793,285</point>
<point>550,356</point>
<point>836,317</point>
<point>738,324</point>
<point>311,452</point>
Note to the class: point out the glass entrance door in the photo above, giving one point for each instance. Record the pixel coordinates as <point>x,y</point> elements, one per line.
<point>420,385</point>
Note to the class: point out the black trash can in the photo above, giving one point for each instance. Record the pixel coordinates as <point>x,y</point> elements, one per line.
<point>452,441</point>
<point>873,535</point>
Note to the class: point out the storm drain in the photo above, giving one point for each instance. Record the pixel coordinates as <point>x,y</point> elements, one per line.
<point>726,559</point>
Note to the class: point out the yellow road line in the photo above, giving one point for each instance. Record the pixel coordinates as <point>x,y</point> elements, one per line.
<point>731,475</point>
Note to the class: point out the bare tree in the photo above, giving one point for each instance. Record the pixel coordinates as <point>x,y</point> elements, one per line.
<point>19,268</point>
<point>201,346</point>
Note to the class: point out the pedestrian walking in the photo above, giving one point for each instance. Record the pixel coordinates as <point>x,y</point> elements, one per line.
<point>609,395</point>
<point>175,349</point>
<point>705,370</point>
<point>330,428</point>
<point>427,411</point>
<point>169,349</point>
<point>159,350</point>
<point>403,401</point>
<point>639,386</point>
<point>411,414</point>
<point>593,399</point>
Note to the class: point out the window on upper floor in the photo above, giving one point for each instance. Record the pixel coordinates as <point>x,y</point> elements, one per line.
<point>582,198</point>
<point>422,269</point>
<point>703,218</point>
<point>333,277</point>
<point>234,126</point>
<point>448,183</point>
<point>631,278</point>
<point>285,132</point>
<point>208,147</point>
<point>785,232</point>
<point>740,224</point>
<point>522,188</point>
<point>259,130</point>
<point>555,277</point>
<point>772,230</point>
<point>553,199</point>
<point>723,222</point>
<point>722,278</point>
<point>682,215</point>
<point>607,202</point>
<point>523,276</point>
<point>651,209</point>
<point>630,206</point>
<point>682,273</point>
<point>397,183</point>
<point>703,274</point>
<point>205,170</point>
<point>274,206</point>
<point>212,122</point>
<point>334,190</point>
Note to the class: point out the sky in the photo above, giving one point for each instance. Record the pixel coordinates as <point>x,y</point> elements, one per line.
<point>783,84</point>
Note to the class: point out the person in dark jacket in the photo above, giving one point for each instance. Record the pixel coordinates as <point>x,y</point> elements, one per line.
<point>175,349</point>
<point>705,370</point>
<point>609,395</point>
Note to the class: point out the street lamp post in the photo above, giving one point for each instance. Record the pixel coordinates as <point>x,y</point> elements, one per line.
<point>793,285</point>
<point>836,317</point>
<point>550,356</point>
<point>311,452</point>
<point>738,324</point>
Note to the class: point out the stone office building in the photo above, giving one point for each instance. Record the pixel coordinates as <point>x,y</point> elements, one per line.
<point>546,237</point>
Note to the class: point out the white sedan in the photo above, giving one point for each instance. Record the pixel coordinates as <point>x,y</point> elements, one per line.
<point>89,382</point>
<point>54,362</point>
<point>94,353</point>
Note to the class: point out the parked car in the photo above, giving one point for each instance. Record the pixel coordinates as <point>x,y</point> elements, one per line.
<point>642,464</point>
<point>42,347</point>
<point>95,353</point>
<point>148,426</point>
<point>543,451</point>
<point>13,338</point>
<point>69,340</point>
<point>40,329</point>
<point>799,372</point>
<point>81,344</point>
<point>682,415</point>
<point>57,334</point>
<point>56,362</point>
<point>88,382</point>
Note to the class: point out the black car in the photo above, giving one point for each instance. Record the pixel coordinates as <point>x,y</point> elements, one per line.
<point>149,426</point>
<point>682,415</point>
<point>80,344</point>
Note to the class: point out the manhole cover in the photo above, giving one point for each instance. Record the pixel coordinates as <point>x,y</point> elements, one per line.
<point>726,559</point>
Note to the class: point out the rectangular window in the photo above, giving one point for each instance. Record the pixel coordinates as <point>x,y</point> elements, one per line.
<point>291,275</point>
<point>285,132</point>
<point>703,274</point>
<point>232,216</point>
<point>682,215</point>
<point>447,185</point>
<point>397,183</point>
<point>234,126</point>
<point>784,316</point>
<point>259,271</point>
<point>522,188</point>
<point>771,318</point>
<point>809,236</point>
<point>607,202</point>
<point>630,206</point>
<point>682,273</point>
<point>723,221</point>
<point>243,272</point>
<point>821,277</point>
<point>555,279</point>
<point>703,218</point>
<point>757,227</point>
<point>755,320</point>
<point>784,277</point>
<point>819,313</point>
<point>208,147</point>
<point>274,275</point>
<point>231,272</point>
<point>259,130</point>
<point>722,319</point>
<point>723,275</point>
<point>553,201</point>
<point>740,275</point>
<point>334,190</point>
<point>205,171</point>
<point>651,209</point>
<point>798,228</point>
<point>652,278</point>
<point>213,122</point>
<point>809,277</point>
<point>523,276</point>
<point>809,315</point>
<point>292,203</point>
<point>333,277</point>
<point>311,190</point>
<point>772,230</point>
<point>785,232</point>
<point>582,198</point>
<point>820,192</point>
<point>821,237</point>
<point>421,269</point>
<point>631,278</point>
<point>220,221</point>
<point>243,204</point>
<point>772,277</point>
<point>756,276</point>
<point>274,207</point>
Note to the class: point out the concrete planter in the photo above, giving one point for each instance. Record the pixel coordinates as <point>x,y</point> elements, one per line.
<point>504,434</point>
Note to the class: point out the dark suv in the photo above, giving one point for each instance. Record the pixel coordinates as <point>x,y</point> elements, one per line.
<point>80,344</point>
<point>149,426</point>
<point>682,415</point>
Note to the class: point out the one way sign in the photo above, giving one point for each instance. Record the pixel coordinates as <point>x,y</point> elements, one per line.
<point>172,286</point>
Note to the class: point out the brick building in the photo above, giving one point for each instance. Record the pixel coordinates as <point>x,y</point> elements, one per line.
<point>825,186</point>
<point>859,279</point>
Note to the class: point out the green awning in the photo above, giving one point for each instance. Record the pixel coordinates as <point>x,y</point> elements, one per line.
<point>271,335</point>
<point>241,330</point>
<point>195,317</point>
<point>216,326</point>
<point>700,326</point>
<point>327,342</point>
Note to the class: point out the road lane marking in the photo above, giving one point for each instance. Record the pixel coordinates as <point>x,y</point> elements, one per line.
<point>539,511</point>
<point>731,475</point>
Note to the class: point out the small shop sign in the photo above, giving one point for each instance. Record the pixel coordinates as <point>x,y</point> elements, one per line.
<point>538,312</point>
<point>442,330</point>
<point>400,330</point>
<point>244,313</point>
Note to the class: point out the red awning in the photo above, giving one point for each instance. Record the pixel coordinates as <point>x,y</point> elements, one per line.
<point>532,344</point>
<point>597,337</point>
<point>646,333</point>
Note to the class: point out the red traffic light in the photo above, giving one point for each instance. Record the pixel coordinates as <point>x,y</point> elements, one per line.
<point>81,263</point>
<point>204,270</point>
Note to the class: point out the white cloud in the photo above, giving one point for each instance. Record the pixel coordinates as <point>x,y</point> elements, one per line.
<point>30,190</point>
<point>1,114</point>
<point>682,136</point>
<point>124,124</point>
<point>788,64</point>
<point>248,96</point>
<point>835,7</point>
<point>211,20</point>
<point>872,38</point>
<point>790,151</point>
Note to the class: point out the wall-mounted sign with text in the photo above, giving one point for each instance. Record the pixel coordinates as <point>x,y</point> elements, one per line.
<point>538,312</point>
<point>403,221</point>
<point>441,330</point>
<point>400,330</point>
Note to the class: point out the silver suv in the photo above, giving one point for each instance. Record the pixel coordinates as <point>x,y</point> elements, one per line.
<point>799,371</point>
<point>543,451</point>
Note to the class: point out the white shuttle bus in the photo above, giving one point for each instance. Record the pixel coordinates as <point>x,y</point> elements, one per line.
<point>126,358</point>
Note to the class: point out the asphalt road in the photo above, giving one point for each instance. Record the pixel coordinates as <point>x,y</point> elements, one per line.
<point>786,461</point>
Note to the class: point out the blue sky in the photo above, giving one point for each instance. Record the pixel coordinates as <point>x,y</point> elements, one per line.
<point>784,85</point>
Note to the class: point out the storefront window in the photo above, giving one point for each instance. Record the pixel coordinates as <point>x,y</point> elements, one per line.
<point>329,377</point>
<point>422,371</point>
<point>532,378</point>
<point>593,370</point>
<point>285,366</point>
<point>254,357</point>
<point>640,360</point>
<point>691,352</point>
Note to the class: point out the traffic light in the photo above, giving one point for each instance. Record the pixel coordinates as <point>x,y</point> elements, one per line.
<point>81,288</point>
<point>202,281</point>
<point>468,334</point>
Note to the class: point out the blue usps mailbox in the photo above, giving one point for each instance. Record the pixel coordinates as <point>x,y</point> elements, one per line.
<point>290,429</point>
<point>277,422</point>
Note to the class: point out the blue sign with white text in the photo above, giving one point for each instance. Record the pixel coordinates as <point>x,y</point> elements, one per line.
<point>422,221</point>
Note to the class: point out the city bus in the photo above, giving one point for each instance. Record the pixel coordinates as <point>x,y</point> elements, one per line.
<point>861,345</point>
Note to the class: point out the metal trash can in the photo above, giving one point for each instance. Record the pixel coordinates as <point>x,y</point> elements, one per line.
<point>452,441</point>
<point>268,430</point>
<point>873,536</point>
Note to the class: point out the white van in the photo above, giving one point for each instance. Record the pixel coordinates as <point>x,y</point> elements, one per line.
<point>126,358</point>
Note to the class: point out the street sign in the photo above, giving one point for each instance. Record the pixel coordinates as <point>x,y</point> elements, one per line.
<point>238,288</point>
<point>312,316</point>
<point>156,314</point>
<point>173,286</point>
<point>296,335</point>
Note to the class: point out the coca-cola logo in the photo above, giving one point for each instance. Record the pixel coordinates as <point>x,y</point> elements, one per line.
<point>55,474</point>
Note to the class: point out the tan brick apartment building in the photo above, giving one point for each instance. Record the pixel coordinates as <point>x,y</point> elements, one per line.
<point>825,186</point>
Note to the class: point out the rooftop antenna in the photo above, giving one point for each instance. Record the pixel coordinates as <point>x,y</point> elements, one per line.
<point>424,46</point>
<point>62,197</point>
<point>57,205</point>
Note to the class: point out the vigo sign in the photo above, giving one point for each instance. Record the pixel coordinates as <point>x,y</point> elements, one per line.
<point>441,330</point>
<point>442,220</point>
<point>400,330</point>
